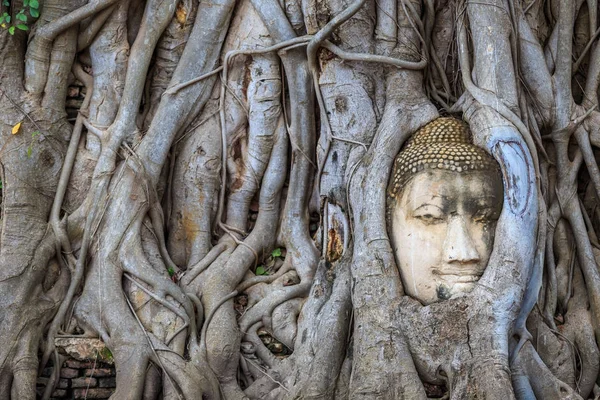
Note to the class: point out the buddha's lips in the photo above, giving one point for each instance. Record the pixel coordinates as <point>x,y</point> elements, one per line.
<point>461,278</point>
<point>464,275</point>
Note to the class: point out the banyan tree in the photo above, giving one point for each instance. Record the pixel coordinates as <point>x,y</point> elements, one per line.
<point>303,199</point>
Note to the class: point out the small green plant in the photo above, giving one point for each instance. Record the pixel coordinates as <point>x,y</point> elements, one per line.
<point>31,7</point>
<point>267,268</point>
<point>276,253</point>
<point>105,354</point>
<point>261,270</point>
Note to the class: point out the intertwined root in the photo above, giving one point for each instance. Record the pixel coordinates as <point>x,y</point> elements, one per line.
<point>223,249</point>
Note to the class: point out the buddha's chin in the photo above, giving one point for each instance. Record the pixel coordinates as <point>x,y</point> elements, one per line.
<point>450,288</point>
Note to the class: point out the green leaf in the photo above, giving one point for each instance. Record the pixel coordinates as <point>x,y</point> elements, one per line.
<point>25,3</point>
<point>260,270</point>
<point>7,18</point>
<point>5,3</point>
<point>105,354</point>
<point>34,13</point>
<point>11,30</point>
<point>22,27</point>
<point>276,252</point>
<point>29,151</point>
<point>34,134</point>
<point>2,19</point>
<point>0,184</point>
<point>171,271</point>
<point>21,16</point>
<point>34,4</point>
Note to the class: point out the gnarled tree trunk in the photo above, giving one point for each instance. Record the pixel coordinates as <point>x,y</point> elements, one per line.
<point>215,212</point>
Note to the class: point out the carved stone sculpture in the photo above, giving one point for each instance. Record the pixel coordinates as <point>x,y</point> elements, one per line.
<point>445,198</point>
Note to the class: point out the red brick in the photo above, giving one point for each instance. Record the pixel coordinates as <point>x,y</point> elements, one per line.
<point>79,364</point>
<point>83,382</point>
<point>59,393</point>
<point>107,382</point>
<point>69,373</point>
<point>41,381</point>
<point>63,383</point>
<point>99,372</point>
<point>92,393</point>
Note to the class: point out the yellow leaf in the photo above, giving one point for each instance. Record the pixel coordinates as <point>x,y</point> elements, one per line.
<point>15,129</point>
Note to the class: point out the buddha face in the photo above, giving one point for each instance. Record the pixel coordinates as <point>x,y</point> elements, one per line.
<point>443,226</point>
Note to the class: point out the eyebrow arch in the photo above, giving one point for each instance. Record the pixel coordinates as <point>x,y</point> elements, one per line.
<point>429,204</point>
<point>486,199</point>
<point>416,200</point>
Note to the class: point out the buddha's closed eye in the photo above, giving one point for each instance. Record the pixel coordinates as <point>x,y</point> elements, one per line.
<point>429,214</point>
<point>486,215</point>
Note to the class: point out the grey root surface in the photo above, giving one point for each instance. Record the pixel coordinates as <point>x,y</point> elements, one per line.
<point>213,209</point>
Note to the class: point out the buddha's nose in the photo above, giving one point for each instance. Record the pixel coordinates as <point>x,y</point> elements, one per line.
<point>459,246</point>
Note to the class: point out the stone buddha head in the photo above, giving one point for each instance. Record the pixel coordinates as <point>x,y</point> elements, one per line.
<point>444,199</point>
